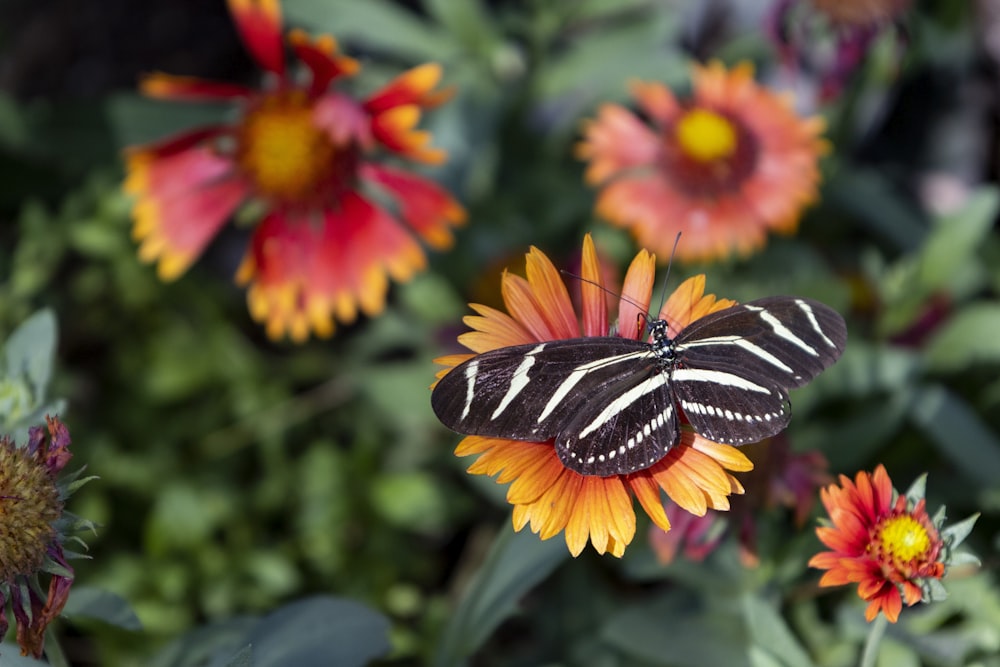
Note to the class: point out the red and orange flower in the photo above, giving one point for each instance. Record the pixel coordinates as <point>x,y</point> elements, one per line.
<point>325,248</point>
<point>695,474</point>
<point>884,542</point>
<point>724,167</point>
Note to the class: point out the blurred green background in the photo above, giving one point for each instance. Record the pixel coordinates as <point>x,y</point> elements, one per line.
<point>238,474</point>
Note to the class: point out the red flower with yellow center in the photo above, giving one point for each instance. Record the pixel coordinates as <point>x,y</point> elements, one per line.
<point>324,248</point>
<point>695,474</point>
<point>724,167</point>
<point>885,543</point>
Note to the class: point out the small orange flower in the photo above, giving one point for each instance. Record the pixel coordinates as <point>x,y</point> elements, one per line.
<point>325,247</point>
<point>723,167</point>
<point>695,473</point>
<point>884,542</point>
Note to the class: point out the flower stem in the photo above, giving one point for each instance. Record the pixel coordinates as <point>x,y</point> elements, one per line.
<point>875,634</point>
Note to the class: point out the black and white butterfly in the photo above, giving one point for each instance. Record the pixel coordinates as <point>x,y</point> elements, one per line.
<point>612,403</point>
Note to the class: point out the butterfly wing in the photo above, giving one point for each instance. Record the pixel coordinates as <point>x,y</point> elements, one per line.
<point>532,392</point>
<point>628,425</point>
<point>734,368</point>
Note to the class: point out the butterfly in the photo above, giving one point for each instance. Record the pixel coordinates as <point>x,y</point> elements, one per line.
<point>613,405</point>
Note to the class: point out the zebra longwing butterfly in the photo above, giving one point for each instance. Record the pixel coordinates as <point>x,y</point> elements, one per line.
<point>612,404</point>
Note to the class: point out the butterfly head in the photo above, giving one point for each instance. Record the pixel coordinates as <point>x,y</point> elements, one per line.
<point>662,344</point>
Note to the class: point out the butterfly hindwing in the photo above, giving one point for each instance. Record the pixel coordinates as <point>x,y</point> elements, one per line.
<point>627,427</point>
<point>731,408</point>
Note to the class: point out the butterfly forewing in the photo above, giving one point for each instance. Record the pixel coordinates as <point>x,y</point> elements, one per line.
<point>789,339</point>
<point>532,392</point>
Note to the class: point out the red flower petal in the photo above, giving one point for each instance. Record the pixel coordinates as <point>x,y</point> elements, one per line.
<point>304,275</point>
<point>394,129</point>
<point>259,24</point>
<point>413,87</point>
<point>320,56</point>
<point>190,89</point>
<point>616,141</point>
<point>425,206</point>
<point>182,200</point>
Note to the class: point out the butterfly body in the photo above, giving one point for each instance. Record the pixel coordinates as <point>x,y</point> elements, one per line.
<point>613,405</point>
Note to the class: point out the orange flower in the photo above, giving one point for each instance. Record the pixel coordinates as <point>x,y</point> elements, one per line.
<point>885,543</point>
<point>723,167</point>
<point>324,248</point>
<point>695,473</point>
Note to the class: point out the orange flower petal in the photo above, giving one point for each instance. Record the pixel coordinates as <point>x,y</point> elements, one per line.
<point>551,295</point>
<point>636,292</point>
<point>522,305</point>
<point>647,492</point>
<point>593,297</point>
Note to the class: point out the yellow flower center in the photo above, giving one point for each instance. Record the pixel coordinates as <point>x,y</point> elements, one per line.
<point>706,136</point>
<point>904,539</point>
<point>283,150</point>
<point>29,504</point>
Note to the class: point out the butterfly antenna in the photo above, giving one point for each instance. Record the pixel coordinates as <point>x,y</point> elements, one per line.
<point>606,290</point>
<point>666,277</point>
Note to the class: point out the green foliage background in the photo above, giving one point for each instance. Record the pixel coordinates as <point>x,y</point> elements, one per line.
<point>238,475</point>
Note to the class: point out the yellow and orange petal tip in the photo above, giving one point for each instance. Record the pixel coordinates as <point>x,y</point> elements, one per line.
<point>270,8</point>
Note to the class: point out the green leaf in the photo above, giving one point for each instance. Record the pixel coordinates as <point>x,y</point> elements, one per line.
<point>675,631</point>
<point>101,605</point>
<point>866,369</point>
<point>515,564</point>
<point>412,500</point>
<point>956,533</point>
<point>244,658</point>
<point>374,23</point>
<point>30,349</point>
<point>879,204</point>
<point>135,119</point>
<point>214,644</point>
<point>468,20</point>
<point>770,634</point>
<point>917,490</point>
<point>957,237</point>
<point>10,656</point>
<point>958,433</point>
<point>320,631</point>
<point>597,66</point>
<point>967,339</point>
